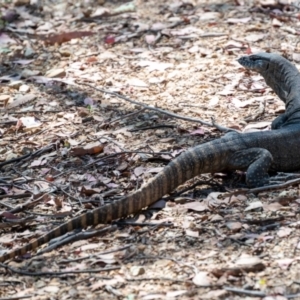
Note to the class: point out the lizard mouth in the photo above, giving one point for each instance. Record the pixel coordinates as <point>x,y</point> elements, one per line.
<point>254,63</point>
<point>244,61</point>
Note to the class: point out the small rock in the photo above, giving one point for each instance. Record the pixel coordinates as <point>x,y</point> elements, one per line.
<point>24,88</point>
<point>254,205</point>
<point>202,279</point>
<point>45,56</point>
<point>16,84</point>
<point>65,52</point>
<point>181,200</point>
<point>60,114</point>
<point>137,270</point>
<point>28,73</point>
<point>56,73</point>
<point>73,293</point>
<point>249,262</point>
<point>234,226</point>
<point>29,52</point>
<point>10,16</point>
<point>60,9</point>
<point>83,112</point>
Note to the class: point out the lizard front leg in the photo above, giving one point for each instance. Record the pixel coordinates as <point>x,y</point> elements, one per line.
<point>257,162</point>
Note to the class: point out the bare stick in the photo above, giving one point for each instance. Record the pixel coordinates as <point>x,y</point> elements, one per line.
<point>149,107</point>
<point>266,188</point>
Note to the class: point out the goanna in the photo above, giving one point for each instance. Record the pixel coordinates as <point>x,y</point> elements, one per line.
<point>257,153</point>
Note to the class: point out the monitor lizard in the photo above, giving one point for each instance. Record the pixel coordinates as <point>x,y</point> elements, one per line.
<point>256,152</point>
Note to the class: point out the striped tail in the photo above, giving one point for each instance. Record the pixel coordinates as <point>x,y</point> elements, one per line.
<point>207,158</point>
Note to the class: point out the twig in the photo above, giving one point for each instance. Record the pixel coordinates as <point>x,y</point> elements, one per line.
<point>67,261</point>
<point>222,128</point>
<point>8,123</point>
<point>264,188</point>
<point>29,203</point>
<point>255,293</point>
<point>158,278</point>
<point>23,157</point>
<point>127,116</point>
<point>57,273</point>
<point>148,107</point>
<point>71,236</point>
<point>109,156</point>
<point>245,292</point>
<point>35,111</point>
<point>25,195</point>
<point>110,140</point>
<point>163,224</point>
<point>274,186</point>
<point>153,127</point>
<point>17,297</point>
<point>12,222</point>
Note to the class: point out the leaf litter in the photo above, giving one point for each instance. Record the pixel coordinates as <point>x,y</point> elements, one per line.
<point>179,56</point>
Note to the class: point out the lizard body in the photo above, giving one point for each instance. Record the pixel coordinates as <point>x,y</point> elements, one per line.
<point>256,152</point>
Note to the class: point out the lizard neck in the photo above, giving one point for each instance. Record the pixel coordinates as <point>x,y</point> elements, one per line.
<point>284,78</point>
<point>292,112</point>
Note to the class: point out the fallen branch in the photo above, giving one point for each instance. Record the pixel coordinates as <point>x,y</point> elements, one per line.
<point>266,188</point>
<point>245,292</point>
<point>255,293</point>
<point>26,273</point>
<point>149,107</point>
<point>17,297</point>
<point>28,156</point>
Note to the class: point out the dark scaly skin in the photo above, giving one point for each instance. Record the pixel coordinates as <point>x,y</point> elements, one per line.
<point>283,77</point>
<point>256,152</point>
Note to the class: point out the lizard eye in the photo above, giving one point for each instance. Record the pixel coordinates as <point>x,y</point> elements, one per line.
<point>254,58</point>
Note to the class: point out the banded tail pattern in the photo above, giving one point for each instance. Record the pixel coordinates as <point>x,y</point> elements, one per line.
<point>209,157</point>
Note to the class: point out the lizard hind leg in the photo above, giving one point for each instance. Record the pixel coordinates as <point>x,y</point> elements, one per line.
<point>257,162</point>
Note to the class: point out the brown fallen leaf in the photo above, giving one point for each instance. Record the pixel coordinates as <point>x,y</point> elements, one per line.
<point>88,191</point>
<point>93,148</point>
<point>65,37</point>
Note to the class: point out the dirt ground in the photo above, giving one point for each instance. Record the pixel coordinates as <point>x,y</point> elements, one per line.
<point>70,143</point>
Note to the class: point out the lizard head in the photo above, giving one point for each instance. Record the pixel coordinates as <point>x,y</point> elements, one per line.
<point>257,62</point>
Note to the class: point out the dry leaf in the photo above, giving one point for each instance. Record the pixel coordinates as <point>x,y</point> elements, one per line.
<point>284,231</point>
<point>285,263</point>
<point>92,148</point>
<point>234,226</point>
<point>197,206</point>
<point>254,205</point>
<point>65,37</point>
<point>202,279</point>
